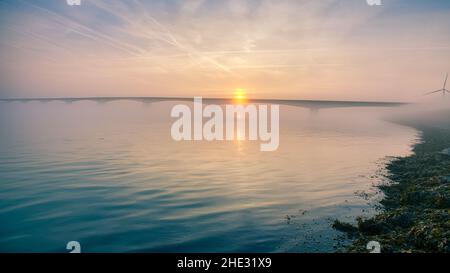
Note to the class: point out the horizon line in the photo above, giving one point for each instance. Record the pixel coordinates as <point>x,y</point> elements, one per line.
<point>186,98</point>
<point>311,104</point>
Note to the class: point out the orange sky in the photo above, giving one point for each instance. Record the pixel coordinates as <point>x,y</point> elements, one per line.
<point>330,49</point>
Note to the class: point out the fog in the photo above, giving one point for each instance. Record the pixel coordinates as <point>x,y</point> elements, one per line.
<point>434,112</point>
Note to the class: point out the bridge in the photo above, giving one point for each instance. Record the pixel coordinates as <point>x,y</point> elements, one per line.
<point>310,104</point>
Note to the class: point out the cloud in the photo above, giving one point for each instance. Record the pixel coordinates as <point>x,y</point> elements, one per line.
<point>304,49</point>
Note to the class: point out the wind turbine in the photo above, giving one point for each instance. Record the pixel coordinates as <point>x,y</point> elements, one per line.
<point>443,90</point>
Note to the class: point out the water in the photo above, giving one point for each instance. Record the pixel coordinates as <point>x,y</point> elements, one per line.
<point>111,177</point>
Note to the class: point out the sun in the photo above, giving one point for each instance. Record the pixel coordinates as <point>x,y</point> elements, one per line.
<point>239,96</point>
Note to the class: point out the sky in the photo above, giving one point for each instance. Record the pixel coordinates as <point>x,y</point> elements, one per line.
<point>298,49</point>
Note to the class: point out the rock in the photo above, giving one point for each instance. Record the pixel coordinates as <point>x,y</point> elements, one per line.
<point>344,227</point>
<point>372,226</point>
<point>446,151</point>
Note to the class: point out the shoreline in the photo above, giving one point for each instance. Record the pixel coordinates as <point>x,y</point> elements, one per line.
<point>415,214</point>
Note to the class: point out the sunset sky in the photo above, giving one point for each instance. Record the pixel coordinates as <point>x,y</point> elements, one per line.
<point>299,49</point>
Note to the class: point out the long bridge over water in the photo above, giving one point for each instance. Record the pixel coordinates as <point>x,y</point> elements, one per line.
<point>311,104</point>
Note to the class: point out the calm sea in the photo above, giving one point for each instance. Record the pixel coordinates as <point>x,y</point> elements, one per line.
<point>111,177</point>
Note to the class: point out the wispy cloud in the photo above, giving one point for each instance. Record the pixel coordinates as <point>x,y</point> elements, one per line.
<point>292,48</point>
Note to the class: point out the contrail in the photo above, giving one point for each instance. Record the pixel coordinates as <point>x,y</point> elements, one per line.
<point>91,33</point>
<point>172,41</point>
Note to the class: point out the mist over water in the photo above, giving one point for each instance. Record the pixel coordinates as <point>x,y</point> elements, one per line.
<point>111,177</point>
<point>430,111</point>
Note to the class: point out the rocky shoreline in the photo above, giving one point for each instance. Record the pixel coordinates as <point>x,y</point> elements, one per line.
<point>415,215</point>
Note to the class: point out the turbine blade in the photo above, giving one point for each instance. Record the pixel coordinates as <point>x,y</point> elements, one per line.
<point>429,93</point>
<point>445,82</point>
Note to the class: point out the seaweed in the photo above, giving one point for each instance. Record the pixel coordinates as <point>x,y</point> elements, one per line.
<point>416,205</point>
